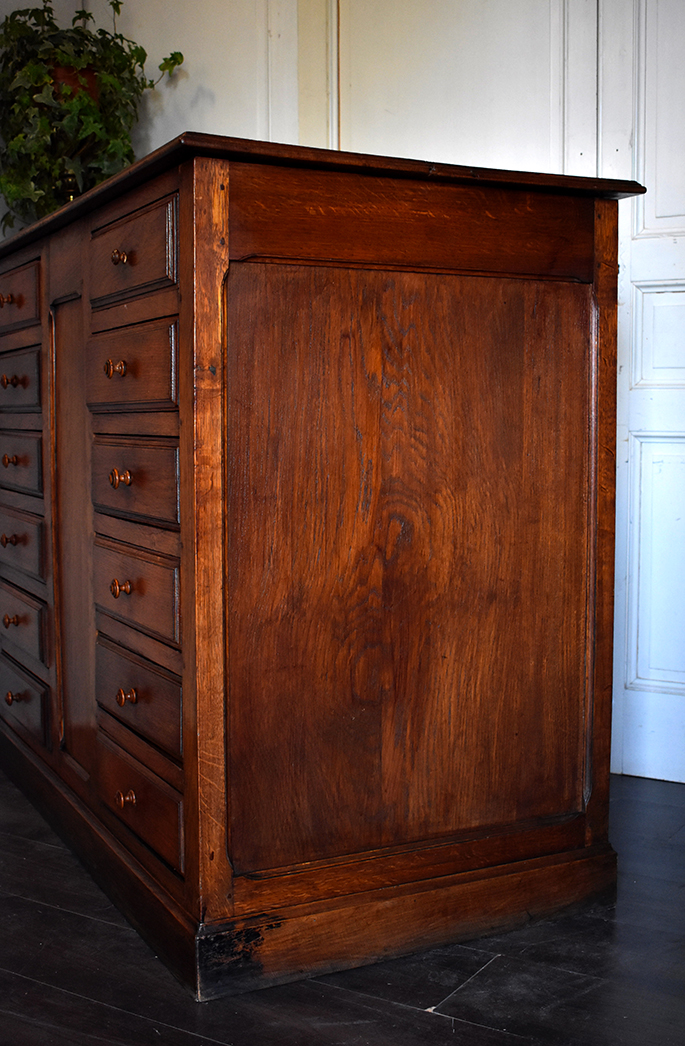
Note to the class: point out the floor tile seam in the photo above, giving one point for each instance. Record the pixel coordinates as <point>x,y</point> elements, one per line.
<point>432,1010</point>
<point>109,1006</point>
<point>387,1002</point>
<point>59,845</point>
<point>559,969</point>
<point>11,895</point>
<point>372,998</point>
<point>488,953</point>
<point>48,1025</point>
<point>521,957</point>
<point>510,1035</point>
<point>468,980</point>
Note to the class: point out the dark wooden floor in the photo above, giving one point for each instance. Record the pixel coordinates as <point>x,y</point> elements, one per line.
<point>610,972</point>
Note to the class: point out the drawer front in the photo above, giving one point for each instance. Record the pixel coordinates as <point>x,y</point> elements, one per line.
<point>140,694</point>
<point>23,700</point>
<point>20,380</point>
<point>21,542</point>
<point>19,299</point>
<point>135,479</point>
<point>133,368</point>
<point>135,254</point>
<point>140,589</point>
<point>21,465</point>
<point>23,621</point>
<point>142,801</point>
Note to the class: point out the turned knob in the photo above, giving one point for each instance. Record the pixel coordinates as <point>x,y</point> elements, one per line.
<point>11,540</point>
<point>116,588</point>
<point>112,368</point>
<point>7,299</point>
<point>122,798</point>
<point>7,460</point>
<point>127,695</point>
<point>119,257</point>
<point>7,620</point>
<point>13,381</point>
<point>10,698</point>
<point>116,477</point>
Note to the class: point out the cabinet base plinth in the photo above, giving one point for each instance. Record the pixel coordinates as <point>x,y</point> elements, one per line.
<point>290,944</point>
<point>283,946</point>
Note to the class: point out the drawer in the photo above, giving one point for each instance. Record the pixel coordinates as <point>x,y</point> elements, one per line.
<point>142,801</point>
<point>23,700</point>
<point>21,466</point>
<point>139,588</point>
<point>140,694</point>
<point>23,622</point>
<point>136,478</point>
<point>21,542</point>
<point>135,254</point>
<point>19,297</point>
<point>20,380</point>
<point>133,368</point>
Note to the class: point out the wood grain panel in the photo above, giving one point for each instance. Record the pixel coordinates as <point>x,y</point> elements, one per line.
<point>407,554</point>
<point>21,461</point>
<point>21,286</point>
<point>21,542</point>
<point>24,700</point>
<point>145,243</point>
<point>24,622</point>
<point>155,712</point>
<point>20,380</point>
<point>148,377</point>
<point>305,576</point>
<point>152,601</point>
<point>331,216</point>
<point>149,487</point>
<point>154,811</point>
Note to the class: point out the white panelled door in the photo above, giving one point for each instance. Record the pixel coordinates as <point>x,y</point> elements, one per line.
<point>642,92</point>
<point>489,83</point>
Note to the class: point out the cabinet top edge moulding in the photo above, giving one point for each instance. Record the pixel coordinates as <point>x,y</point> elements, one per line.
<point>191,144</point>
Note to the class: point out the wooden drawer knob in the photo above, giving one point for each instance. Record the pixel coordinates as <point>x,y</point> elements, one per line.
<point>13,381</point>
<point>122,798</point>
<point>11,698</point>
<point>116,588</point>
<point>7,460</point>
<point>127,695</point>
<point>112,368</point>
<point>7,299</point>
<point>7,620</point>
<point>11,540</point>
<point>116,478</point>
<point>119,257</point>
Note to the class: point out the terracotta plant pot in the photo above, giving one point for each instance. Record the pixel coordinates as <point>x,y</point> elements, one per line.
<point>70,77</point>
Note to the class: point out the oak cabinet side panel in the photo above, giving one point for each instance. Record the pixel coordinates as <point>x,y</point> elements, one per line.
<point>408,522</point>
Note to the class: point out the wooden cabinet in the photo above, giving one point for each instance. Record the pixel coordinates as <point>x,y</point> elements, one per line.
<point>306,499</point>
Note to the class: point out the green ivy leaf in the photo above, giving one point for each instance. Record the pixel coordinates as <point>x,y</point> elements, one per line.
<point>171,62</point>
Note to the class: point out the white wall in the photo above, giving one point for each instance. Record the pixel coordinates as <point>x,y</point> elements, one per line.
<point>476,82</point>
<point>239,77</point>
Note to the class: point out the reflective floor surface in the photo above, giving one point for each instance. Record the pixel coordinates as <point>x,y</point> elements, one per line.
<point>609,973</point>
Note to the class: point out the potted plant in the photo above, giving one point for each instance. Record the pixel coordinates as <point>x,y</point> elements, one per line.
<point>68,101</point>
